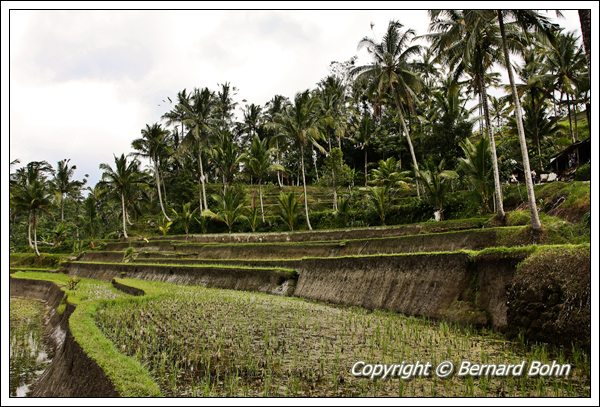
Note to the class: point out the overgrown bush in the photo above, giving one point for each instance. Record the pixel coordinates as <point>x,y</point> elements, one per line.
<point>550,296</point>
<point>583,173</point>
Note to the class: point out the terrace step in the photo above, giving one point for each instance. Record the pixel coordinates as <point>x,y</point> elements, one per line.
<point>269,280</point>
<point>334,234</point>
<point>463,287</point>
<point>473,239</point>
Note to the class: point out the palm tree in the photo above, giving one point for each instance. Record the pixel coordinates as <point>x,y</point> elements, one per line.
<point>274,107</point>
<point>378,198</point>
<point>389,175</point>
<point>258,162</point>
<point>198,119</point>
<point>332,93</point>
<point>153,145</point>
<point>252,120</point>
<point>226,156</point>
<point>287,205</point>
<point>526,19</point>
<point>177,115</point>
<point>224,105</point>
<point>186,216</point>
<point>364,132</point>
<point>436,181</point>
<point>498,110</point>
<point>32,197</point>
<point>470,44</point>
<point>64,185</point>
<point>121,180</point>
<point>476,166</point>
<point>300,123</point>
<point>566,60</point>
<point>230,208</point>
<point>28,190</point>
<point>393,73</point>
<point>585,21</point>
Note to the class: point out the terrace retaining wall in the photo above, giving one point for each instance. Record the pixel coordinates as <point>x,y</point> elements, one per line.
<point>264,280</point>
<point>71,373</point>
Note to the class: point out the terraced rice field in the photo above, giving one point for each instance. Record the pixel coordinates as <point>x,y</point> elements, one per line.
<point>208,342</point>
<point>28,356</point>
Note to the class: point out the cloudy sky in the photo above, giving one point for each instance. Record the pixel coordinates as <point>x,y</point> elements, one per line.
<point>83,83</point>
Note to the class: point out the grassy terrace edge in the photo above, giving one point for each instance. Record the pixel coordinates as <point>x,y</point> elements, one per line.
<point>129,377</point>
<point>286,271</point>
<point>469,223</point>
<point>504,233</point>
<point>496,250</point>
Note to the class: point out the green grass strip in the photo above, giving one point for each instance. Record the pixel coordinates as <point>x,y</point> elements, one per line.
<point>128,375</point>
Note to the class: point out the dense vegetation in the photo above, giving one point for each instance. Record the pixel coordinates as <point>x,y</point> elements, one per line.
<point>414,134</point>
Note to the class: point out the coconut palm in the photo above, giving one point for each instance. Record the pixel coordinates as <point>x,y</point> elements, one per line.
<point>393,73</point>
<point>477,167</point>
<point>252,121</point>
<point>566,61</point>
<point>436,182</point>
<point>230,207</point>
<point>300,124</point>
<point>364,131</point>
<point>469,43</point>
<point>121,179</point>
<point>185,216</point>
<point>226,156</point>
<point>526,20</point>
<point>389,175</point>
<point>199,120</point>
<point>332,93</point>
<point>64,185</point>
<point>153,145</point>
<point>224,105</point>
<point>32,197</point>
<point>259,165</point>
<point>273,108</point>
<point>177,115</point>
<point>287,206</point>
<point>379,201</point>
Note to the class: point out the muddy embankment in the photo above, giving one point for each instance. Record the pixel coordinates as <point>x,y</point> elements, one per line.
<point>454,287</point>
<point>71,373</point>
<point>266,280</point>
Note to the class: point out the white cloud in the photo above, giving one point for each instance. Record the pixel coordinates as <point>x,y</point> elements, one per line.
<point>83,83</point>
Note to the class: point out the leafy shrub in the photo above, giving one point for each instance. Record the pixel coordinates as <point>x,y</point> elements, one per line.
<point>72,283</point>
<point>584,172</point>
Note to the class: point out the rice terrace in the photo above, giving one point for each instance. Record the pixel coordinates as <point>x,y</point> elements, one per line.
<point>416,223</point>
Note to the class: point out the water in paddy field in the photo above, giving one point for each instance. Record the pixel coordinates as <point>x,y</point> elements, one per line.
<point>28,353</point>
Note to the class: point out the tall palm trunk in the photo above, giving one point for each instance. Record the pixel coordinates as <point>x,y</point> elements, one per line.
<point>129,222</point>
<point>124,216</point>
<point>488,128</point>
<point>304,185</point>
<point>366,173</point>
<point>535,219</point>
<point>570,118</point>
<point>202,179</point>
<point>279,177</point>
<point>35,245</point>
<point>29,231</point>
<point>314,158</point>
<point>335,204</point>
<point>410,147</point>
<point>260,197</point>
<point>62,207</point>
<point>162,207</point>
